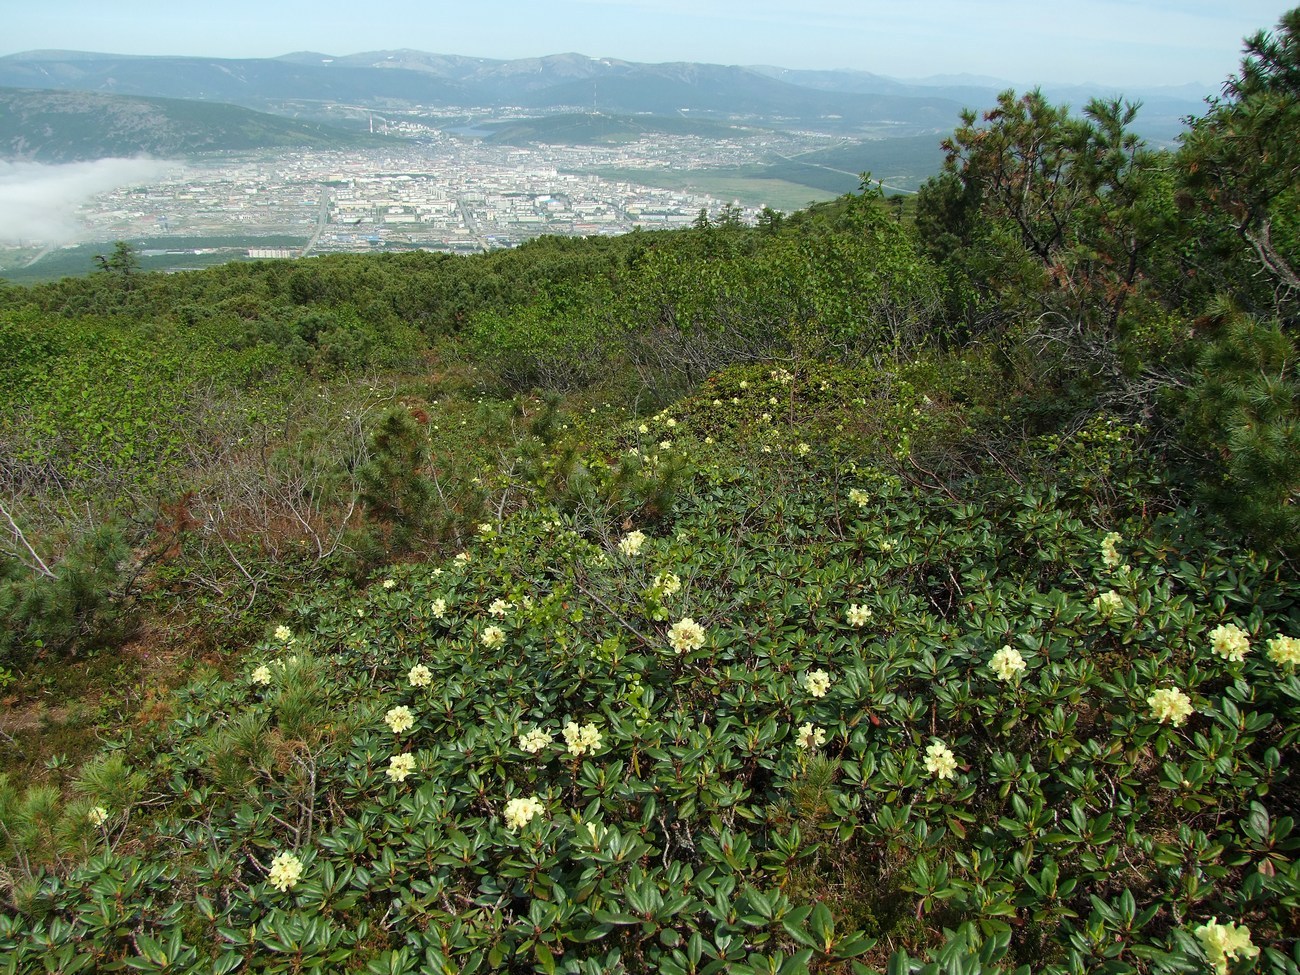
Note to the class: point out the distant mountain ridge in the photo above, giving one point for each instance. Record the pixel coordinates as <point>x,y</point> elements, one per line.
<point>552,83</point>
<point>841,102</point>
<point>67,126</point>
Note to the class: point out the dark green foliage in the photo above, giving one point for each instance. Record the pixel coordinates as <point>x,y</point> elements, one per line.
<point>122,265</point>
<point>1049,217</point>
<point>395,487</point>
<point>78,600</point>
<point>1245,405</point>
<point>1242,165</point>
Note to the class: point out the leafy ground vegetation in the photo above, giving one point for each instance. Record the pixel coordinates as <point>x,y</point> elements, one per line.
<point>857,592</point>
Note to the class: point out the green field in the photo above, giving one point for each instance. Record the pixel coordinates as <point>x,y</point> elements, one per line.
<point>779,194</point>
<point>16,265</point>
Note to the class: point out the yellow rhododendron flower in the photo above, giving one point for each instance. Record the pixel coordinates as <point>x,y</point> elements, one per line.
<point>97,816</point>
<point>1111,557</point>
<point>1108,602</point>
<point>859,497</point>
<point>400,766</point>
<point>534,741</point>
<point>632,542</point>
<point>1007,662</point>
<point>817,682</point>
<point>400,719</point>
<point>582,740</point>
<point>668,583</point>
<point>493,636</point>
<point>283,633</point>
<point>1170,705</point>
<point>389,583</point>
<point>1229,641</point>
<point>685,635</point>
<point>1224,942</point>
<point>1283,650</point>
<point>520,812</point>
<point>262,675</point>
<point>419,676</point>
<point>810,736</point>
<point>500,608</point>
<point>940,761</point>
<point>857,615</point>
<point>285,871</point>
<point>438,608</point>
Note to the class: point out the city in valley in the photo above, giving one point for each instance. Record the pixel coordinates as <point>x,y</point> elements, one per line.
<point>436,192</point>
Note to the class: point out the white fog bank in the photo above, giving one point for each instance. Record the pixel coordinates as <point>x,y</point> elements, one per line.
<point>39,202</point>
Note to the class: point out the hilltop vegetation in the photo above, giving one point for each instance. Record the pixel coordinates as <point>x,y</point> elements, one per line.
<point>859,591</point>
<point>57,126</point>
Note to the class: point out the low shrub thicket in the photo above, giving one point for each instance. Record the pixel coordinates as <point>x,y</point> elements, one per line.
<point>819,717</point>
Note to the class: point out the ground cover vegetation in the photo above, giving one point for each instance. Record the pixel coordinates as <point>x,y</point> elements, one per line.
<point>862,591</point>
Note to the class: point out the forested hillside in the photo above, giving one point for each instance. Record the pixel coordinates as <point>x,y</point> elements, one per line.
<point>861,591</point>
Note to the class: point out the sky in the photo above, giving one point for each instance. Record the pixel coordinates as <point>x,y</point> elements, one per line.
<point>1106,42</point>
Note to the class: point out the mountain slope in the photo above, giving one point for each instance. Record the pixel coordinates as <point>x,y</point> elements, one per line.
<point>64,126</point>
<point>415,78</point>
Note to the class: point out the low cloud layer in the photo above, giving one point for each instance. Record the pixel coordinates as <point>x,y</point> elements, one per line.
<point>38,203</point>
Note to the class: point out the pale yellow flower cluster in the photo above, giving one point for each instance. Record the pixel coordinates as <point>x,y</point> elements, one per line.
<point>500,608</point>
<point>97,816</point>
<point>534,741</point>
<point>810,736</point>
<point>262,675</point>
<point>1170,705</point>
<point>1108,602</point>
<point>1007,662</point>
<point>520,812</point>
<point>389,583</point>
<point>493,636</point>
<point>686,634</point>
<point>940,761</point>
<point>400,766</point>
<point>1283,650</point>
<point>857,615</point>
<point>817,682</point>
<point>1230,641</point>
<point>439,608</point>
<point>632,542</point>
<point>668,583</point>
<point>582,740</point>
<point>283,633</point>
<point>285,871</point>
<point>1224,942</point>
<point>859,497</point>
<point>400,719</point>
<point>485,528</point>
<point>463,558</point>
<point>419,676</point>
<point>1109,555</point>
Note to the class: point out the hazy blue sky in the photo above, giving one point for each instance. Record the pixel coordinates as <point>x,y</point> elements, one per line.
<point>1118,42</point>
